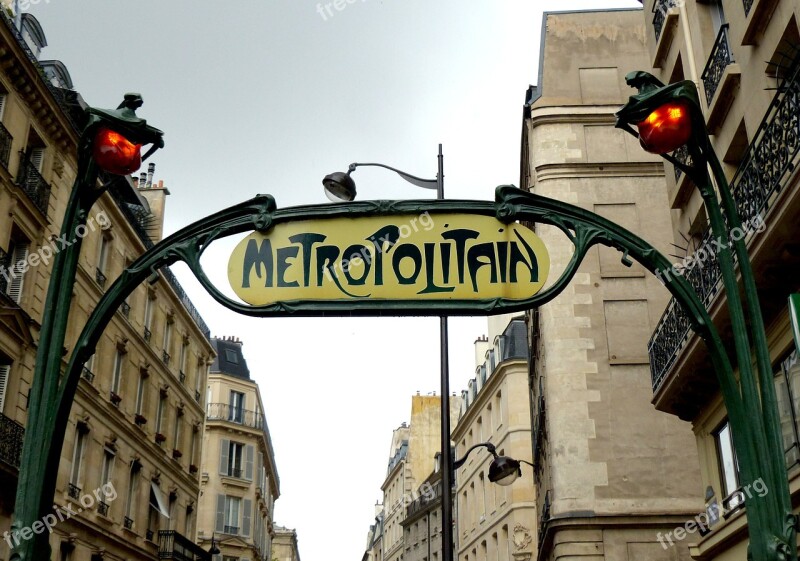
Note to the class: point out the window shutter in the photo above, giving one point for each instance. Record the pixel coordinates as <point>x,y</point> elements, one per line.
<point>248,462</point>
<point>259,466</point>
<point>246,522</point>
<point>4,372</point>
<point>19,255</point>
<point>36,158</point>
<point>224,445</point>
<point>220,523</point>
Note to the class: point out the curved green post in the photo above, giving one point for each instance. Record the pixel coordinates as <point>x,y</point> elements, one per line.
<point>772,524</point>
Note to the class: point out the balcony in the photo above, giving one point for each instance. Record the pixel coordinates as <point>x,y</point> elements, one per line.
<point>127,523</point>
<point>74,492</point>
<point>126,309</point>
<point>5,145</point>
<point>720,79</point>
<point>11,437</point>
<point>758,182</point>
<point>165,357</point>
<point>660,8</point>
<point>224,412</point>
<point>33,184</point>
<point>102,508</point>
<point>100,278</point>
<point>172,545</point>
<point>182,376</point>
<point>87,375</point>
<point>147,334</point>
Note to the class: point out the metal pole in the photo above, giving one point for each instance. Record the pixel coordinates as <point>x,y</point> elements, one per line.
<point>447,458</point>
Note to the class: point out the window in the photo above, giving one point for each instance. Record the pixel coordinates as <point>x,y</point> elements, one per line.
<point>109,456</point>
<point>236,459</point>
<point>182,358</point>
<point>232,515</point>
<point>787,388</point>
<point>13,273</point>
<point>148,315</point>
<point>728,466</point>
<point>236,413</point>
<point>5,371</point>
<point>231,356</point>
<point>160,413</point>
<point>133,491</point>
<point>119,358</point>
<point>499,407</point>
<point>167,340</point>
<point>187,523</point>
<point>176,435</point>
<point>77,461</point>
<point>102,260</point>
<point>140,393</point>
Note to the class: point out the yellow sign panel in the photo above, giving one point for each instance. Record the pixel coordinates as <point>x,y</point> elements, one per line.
<point>400,257</point>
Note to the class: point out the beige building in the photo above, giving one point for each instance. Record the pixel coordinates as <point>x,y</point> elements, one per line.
<point>412,456</point>
<point>239,481</point>
<point>612,474</point>
<point>422,526</point>
<point>743,55</point>
<point>134,433</point>
<point>494,522</point>
<point>285,545</point>
<point>373,552</point>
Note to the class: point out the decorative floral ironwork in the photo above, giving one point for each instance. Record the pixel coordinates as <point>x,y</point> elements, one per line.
<point>747,5</point>
<point>5,145</point>
<point>682,155</point>
<point>33,184</point>
<point>11,437</point>
<point>721,57</point>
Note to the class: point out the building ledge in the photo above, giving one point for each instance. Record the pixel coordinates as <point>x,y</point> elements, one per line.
<point>723,98</point>
<point>665,39</point>
<point>758,18</point>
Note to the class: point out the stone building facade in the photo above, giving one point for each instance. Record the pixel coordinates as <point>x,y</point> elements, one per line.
<point>239,480</point>
<point>612,474</point>
<point>495,522</point>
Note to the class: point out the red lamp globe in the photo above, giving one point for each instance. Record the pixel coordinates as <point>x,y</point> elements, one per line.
<point>666,128</point>
<point>116,154</point>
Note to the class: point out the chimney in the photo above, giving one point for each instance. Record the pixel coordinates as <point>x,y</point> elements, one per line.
<point>151,169</point>
<point>156,197</point>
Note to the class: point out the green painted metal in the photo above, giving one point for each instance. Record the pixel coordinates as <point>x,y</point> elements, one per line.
<point>753,410</point>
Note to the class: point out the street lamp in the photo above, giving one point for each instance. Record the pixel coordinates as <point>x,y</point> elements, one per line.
<point>503,470</point>
<point>667,117</point>
<point>110,142</point>
<point>341,187</point>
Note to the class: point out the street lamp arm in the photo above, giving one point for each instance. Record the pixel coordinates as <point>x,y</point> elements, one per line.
<point>413,179</point>
<point>488,445</point>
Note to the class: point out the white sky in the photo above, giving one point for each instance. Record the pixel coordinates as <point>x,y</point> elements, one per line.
<point>268,97</point>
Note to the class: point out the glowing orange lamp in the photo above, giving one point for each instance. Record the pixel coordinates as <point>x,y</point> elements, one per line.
<point>116,154</point>
<point>668,127</point>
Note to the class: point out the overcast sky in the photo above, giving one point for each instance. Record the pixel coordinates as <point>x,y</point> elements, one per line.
<point>269,96</point>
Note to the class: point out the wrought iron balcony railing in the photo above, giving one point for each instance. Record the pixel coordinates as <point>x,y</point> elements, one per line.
<point>5,263</point>
<point>182,376</point>
<point>5,145</point>
<point>102,508</point>
<point>172,545</point>
<point>165,357</point>
<point>147,334</point>
<point>74,491</point>
<point>544,518</point>
<point>100,278</point>
<point>770,157</point>
<point>721,57</point>
<point>660,8</point>
<point>682,155</point>
<point>224,412</point>
<point>127,523</point>
<point>33,184</point>
<point>126,309</point>
<point>233,530</point>
<point>197,396</point>
<point>11,436</point>
<point>747,5</point>
<point>87,375</point>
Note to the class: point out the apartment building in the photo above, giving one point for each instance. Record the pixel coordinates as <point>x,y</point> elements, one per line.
<point>133,441</point>
<point>239,481</point>
<point>612,473</point>
<point>285,548</point>
<point>495,522</point>
<point>744,56</point>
